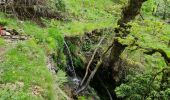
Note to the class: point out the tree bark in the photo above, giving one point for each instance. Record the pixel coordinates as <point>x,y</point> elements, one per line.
<point>128,14</point>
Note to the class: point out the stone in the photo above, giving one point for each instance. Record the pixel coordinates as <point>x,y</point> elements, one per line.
<point>3,32</point>
<point>7,33</point>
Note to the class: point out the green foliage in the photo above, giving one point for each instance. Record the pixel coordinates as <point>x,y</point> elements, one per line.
<point>142,87</point>
<point>34,30</point>
<point>60,5</point>
<point>85,16</point>
<point>158,8</point>
<point>91,8</point>
<point>57,36</point>
<point>3,22</point>
<point>143,80</point>
<point>28,58</point>
<point>61,78</point>
<point>151,34</point>
<point>149,7</point>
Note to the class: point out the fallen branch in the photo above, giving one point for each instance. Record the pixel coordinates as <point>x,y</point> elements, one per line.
<point>91,60</point>
<point>93,72</point>
<point>90,77</point>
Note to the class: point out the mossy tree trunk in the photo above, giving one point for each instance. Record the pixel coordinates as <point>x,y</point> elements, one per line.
<point>128,14</point>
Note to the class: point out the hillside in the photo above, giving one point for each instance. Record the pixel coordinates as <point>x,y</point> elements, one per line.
<point>84,50</point>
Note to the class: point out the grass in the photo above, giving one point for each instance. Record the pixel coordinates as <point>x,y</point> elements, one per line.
<point>23,65</point>
<point>90,9</point>
<point>2,41</point>
<point>77,28</point>
<point>24,69</point>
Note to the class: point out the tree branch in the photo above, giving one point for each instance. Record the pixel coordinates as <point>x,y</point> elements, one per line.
<point>91,60</point>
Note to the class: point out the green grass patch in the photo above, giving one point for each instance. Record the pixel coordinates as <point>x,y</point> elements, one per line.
<point>2,41</point>
<point>24,69</point>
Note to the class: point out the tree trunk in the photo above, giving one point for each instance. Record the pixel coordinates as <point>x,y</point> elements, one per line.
<point>128,14</point>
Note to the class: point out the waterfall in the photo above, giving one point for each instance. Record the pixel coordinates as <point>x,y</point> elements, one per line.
<point>75,79</point>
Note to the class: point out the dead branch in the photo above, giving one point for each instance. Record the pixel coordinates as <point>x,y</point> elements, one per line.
<point>90,77</point>
<point>91,60</point>
<point>94,71</point>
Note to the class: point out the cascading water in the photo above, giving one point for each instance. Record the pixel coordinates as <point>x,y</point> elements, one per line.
<point>72,68</point>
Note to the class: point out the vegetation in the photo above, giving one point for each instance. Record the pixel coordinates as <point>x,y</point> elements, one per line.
<point>123,46</point>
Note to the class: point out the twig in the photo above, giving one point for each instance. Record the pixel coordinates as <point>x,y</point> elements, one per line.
<point>141,16</point>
